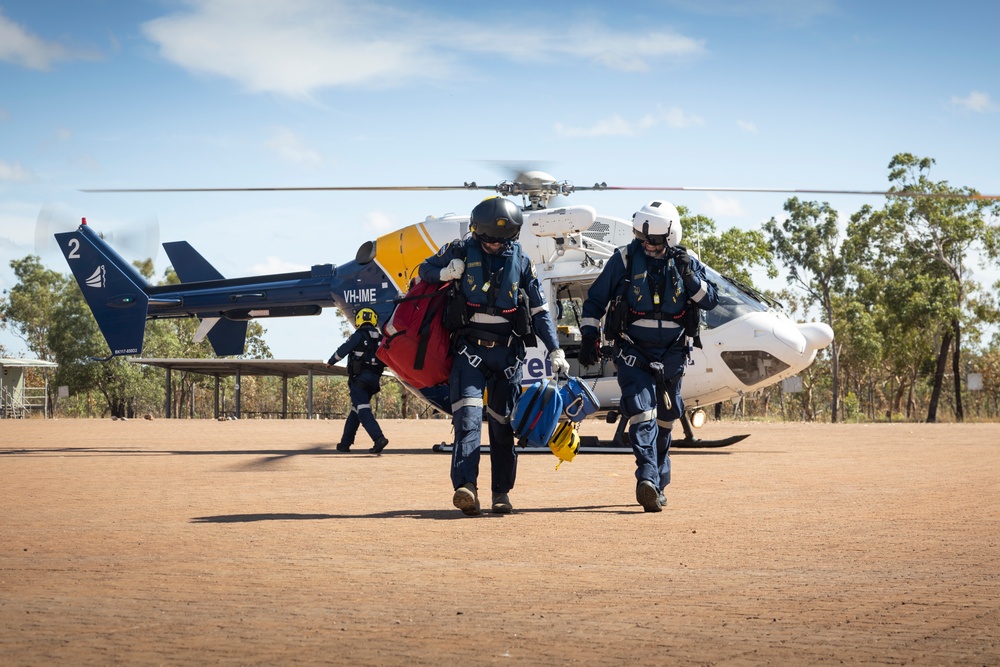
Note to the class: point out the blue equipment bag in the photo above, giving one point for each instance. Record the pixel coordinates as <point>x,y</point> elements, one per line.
<point>579,400</point>
<point>536,414</point>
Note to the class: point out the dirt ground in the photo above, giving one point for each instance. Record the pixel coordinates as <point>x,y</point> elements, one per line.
<point>254,543</point>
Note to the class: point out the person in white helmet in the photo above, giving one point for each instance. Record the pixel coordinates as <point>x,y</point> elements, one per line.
<point>654,288</point>
<point>503,308</point>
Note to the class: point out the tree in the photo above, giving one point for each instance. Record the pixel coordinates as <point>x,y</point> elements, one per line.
<point>48,311</point>
<point>936,236</point>
<point>174,338</point>
<point>735,252</point>
<point>808,243</point>
<point>27,307</point>
<point>861,347</point>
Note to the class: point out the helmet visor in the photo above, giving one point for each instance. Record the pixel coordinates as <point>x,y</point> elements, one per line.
<point>651,239</point>
<point>485,238</point>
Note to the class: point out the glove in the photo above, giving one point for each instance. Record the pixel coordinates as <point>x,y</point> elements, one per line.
<point>453,271</point>
<point>559,364</point>
<point>590,351</point>
<point>682,260</point>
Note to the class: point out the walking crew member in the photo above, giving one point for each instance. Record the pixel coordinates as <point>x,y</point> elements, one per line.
<point>658,287</point>
<point>504,310</point>
<point>364,371</point>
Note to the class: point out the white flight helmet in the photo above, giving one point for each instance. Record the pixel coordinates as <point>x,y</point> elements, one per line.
<point>659,222</point>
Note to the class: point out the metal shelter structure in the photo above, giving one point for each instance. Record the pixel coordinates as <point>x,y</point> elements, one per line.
<point>16,399</point>
<point>219,368</point>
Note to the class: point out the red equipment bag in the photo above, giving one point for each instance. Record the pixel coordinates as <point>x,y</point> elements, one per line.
<point>416,345</point>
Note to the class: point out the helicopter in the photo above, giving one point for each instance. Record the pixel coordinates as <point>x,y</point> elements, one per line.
<point>748,341</point>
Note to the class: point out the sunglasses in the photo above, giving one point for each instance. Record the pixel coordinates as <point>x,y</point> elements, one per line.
<point>654,241</point>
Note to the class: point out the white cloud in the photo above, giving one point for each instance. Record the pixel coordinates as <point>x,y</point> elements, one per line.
<point>21,47</point>
<point>975,101</point>
<point>290,48</point>
<point>746,126</point>
<point>616,126</point>
<point>622,51</point>
<point>296,47</point>
<point>291,148</point>
<point>13,172</point>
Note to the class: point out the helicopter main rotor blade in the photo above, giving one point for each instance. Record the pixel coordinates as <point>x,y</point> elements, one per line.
<point>884,193</point>
<point>359,188</point>
<point>549,189</point>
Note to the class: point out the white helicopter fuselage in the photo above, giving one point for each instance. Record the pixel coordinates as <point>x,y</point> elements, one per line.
<point>747,342</point>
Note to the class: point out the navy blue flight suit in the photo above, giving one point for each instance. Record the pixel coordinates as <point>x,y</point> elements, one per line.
<point>364,371</point>
<point>488,355</point>
<point>657,297</point>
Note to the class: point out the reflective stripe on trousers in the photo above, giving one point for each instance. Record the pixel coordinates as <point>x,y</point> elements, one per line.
<point>649,433</point>
<point>467,383</point>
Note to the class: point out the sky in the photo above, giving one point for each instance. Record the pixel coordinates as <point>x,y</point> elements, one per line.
<point>796,94</point>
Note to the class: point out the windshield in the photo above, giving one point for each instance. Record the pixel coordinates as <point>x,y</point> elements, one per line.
<point>733,301</point>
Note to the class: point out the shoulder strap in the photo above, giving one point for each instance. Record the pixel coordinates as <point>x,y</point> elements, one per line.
<point>549,391</point>
<point>434,313</point>
<point>523,421</point>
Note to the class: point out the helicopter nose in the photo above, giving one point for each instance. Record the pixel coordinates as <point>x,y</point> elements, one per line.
<point>817,334</point>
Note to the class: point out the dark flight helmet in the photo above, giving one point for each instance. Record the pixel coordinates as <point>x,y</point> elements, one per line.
<point>496,220</point>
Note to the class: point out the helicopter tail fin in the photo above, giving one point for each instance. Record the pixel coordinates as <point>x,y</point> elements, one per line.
<point>190,266</point>
<point>115,291</point>
<point>228,337</point>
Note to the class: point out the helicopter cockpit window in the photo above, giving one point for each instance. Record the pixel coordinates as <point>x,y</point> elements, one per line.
<point>568,321</point>
<point>568,312</point>
<point>733,302</point>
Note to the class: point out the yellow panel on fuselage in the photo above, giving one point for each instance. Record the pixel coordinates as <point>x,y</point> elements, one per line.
<point>399,253</point>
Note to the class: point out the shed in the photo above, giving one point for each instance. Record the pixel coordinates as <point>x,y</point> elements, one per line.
<point>219,368</point>
<point>16,399</point>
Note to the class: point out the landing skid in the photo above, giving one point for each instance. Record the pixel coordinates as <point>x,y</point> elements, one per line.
<point>691,442</point>
<point>620,443</point>
<point>687,442</point>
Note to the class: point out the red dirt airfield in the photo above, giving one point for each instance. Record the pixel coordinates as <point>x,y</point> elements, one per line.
<point>177,542</point>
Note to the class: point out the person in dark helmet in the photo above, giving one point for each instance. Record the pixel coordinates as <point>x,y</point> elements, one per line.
<point>364,372</point>
<point>653,286</point>
<point>503,311</point>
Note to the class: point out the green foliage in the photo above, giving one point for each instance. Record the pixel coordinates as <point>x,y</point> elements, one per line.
<point>808,243</point>
<point>735,252</point>
<point>851,406</point>
<point>27,306</point>
<point>914,256</point>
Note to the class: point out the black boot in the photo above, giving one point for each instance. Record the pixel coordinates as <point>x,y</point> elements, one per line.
<point>379,445</point>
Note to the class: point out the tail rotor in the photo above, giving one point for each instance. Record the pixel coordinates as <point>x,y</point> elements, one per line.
<point>139,239</point>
